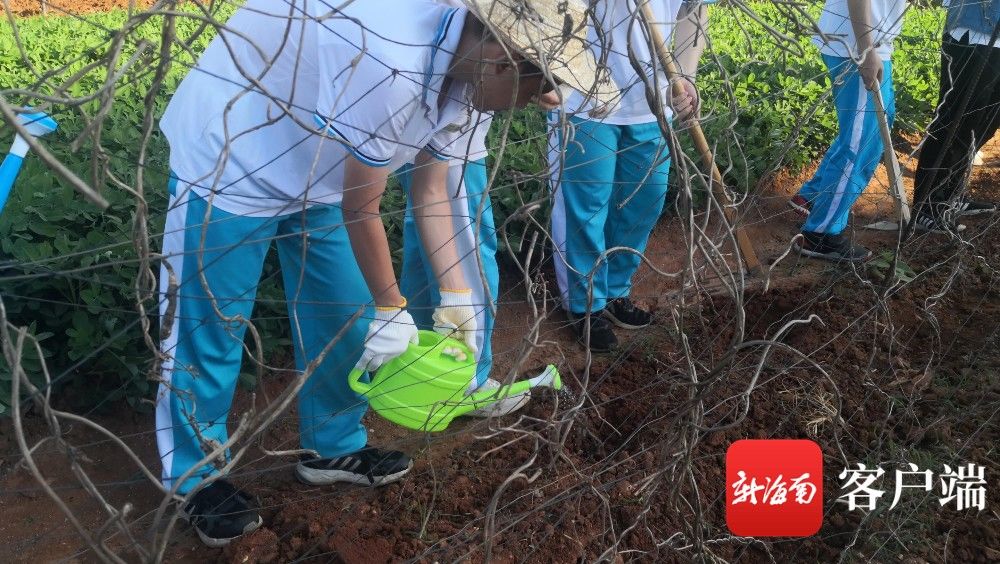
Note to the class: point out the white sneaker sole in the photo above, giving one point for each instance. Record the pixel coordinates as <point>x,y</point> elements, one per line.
<point>317,477</point>
<point>503,407</point>
<point>212,542</point>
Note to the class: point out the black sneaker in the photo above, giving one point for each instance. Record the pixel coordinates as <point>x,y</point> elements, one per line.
<point>602,338</point>
<point>835,248</point>
<point>369,466</point>
<point>925,221</point>
<point>220,512</point>
<point>967,206</point>
<point>624,313</point>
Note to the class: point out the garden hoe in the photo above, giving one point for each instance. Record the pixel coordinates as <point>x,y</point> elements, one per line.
<point>898,191</point>
<point>37,124</point>
<point>701,144</point>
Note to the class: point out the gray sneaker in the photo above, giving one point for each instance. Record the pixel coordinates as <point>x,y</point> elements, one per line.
<point>369,466</point>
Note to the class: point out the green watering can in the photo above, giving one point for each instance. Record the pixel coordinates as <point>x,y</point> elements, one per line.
<point>424,388</point>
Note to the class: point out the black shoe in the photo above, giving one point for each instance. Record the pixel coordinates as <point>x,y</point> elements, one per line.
<point>220,513</point>
<point>836,248</point>
<point>624,313</point>
<point>967,206</point>
<point>369,466</point>
<point>602,338</point>
<point>925,221</point>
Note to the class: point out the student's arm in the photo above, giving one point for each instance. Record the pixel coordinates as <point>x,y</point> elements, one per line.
<point>455,316</point>
<point>860,12</point>
<point>363,189</point>
<point>689,37</point>
<point>433,216</point>
<point>689,44</point>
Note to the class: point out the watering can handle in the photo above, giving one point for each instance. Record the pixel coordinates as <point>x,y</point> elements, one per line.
<point>354,381</point>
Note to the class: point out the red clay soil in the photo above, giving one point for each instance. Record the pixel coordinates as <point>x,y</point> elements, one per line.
<point>594,483</point>
<point>65,7</point>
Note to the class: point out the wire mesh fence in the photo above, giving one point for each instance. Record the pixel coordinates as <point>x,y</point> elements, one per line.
<point>194,260</point>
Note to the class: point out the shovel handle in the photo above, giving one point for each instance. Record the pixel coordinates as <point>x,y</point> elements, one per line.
<point>354,381</point>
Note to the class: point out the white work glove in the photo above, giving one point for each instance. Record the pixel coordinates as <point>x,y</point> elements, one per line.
<point>456,317</point>
<point>389,334</point>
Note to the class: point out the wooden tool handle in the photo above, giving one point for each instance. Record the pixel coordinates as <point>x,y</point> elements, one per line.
<point>889,159</point>
<point>701,143</point>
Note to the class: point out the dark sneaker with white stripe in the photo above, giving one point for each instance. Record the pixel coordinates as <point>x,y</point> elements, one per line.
<point>800,205</point>
<point>929,222</point>
<point>220,512</point>
<point>624,313</point>
<point>834,248</point>
<point>369,466</point>
<point>602,337</point>
<point>966,206</point>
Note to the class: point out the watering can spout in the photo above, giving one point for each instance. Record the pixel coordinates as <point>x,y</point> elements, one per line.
<point>549,378</point>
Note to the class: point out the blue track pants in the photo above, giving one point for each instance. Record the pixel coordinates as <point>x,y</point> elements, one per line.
<point>850,163</point>
<point>323,287</point>
<point>608,191</point>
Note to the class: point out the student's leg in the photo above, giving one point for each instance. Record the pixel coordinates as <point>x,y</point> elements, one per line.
<point>979,121</point>
<point>641,179</point>
<point>203,352</point>
<point>582,188</point>
<point>416,281</point>
<point>851,161</point>
<point>821,179</point>
<point>988,106</point>
<point>324,289</point>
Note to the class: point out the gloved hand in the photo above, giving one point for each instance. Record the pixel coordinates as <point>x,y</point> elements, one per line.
<point>456,317</point>
<point>389,334</point>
